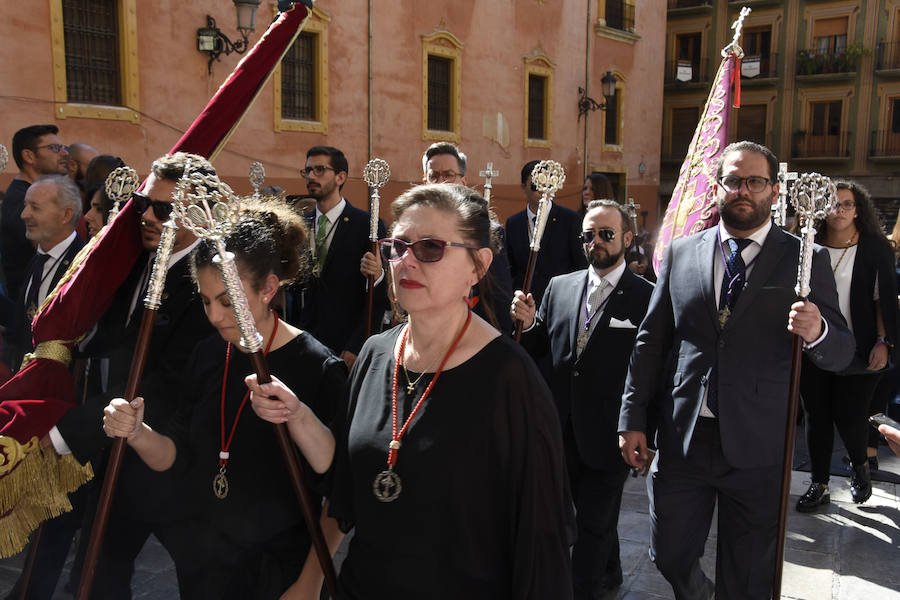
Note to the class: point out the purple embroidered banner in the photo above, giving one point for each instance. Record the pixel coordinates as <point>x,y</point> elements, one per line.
<point>693,205</point>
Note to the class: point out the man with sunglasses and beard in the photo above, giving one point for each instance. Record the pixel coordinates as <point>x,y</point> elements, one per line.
<point>712,364</point>
<point>588,320</point>
<point>330,303</point>
<point>146,501</point>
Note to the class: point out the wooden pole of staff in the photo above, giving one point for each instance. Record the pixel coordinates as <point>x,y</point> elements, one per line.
<point>812,196</point>
<point>98,529</point>
<point>298,481</point>
<point>526,287</point>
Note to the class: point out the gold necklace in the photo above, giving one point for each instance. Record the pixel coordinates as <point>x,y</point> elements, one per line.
<point>411,385</point>
<point>848,243</point>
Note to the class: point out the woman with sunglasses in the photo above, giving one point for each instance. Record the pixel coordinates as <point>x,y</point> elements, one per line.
<point>448,460</point>
<point>244,535</point>
<point>863,265</point>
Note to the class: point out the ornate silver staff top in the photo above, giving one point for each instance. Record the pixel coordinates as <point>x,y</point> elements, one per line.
<point>785,180</point>
<point>4,158</point>
<point>548,176</point>
<point>207,207</point>
<point>812,196</point>
<point>738,27</point>
<point>376,173</point>
<point>257,177</point>
<point>488,173</point>
<point>120,184</point>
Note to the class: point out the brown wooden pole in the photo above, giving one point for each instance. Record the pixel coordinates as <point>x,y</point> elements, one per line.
<point>292,461</point>
<point>28,569</point>
<point>526,287</point>
<point>370,300</point>
<point>114,465</point>
<point>787,466</point>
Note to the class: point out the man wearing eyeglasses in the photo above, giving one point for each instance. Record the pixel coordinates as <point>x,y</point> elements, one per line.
<point>37,151</point>
<point>146,501</point>
<point>587,321</point>
<point>331,303</point>
<point>561,250</point>
<point>712,362</point>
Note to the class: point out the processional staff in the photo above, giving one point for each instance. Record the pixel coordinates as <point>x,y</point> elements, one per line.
<point>211,212</point>
<point>376,173</point>
<point>548,176</point>
<point>120,184</point>
<point>812,196</point>
<point>488,173</point>
<point>785,179</point>
<point>4,158</point>
<point>151,306</point>
<point>631,208</point>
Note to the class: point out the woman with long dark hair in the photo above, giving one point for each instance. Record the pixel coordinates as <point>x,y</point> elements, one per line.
<point>863,264</point>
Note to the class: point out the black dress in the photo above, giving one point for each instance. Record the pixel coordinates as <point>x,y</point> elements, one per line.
<point>252,543</point>
<point>484,511</point>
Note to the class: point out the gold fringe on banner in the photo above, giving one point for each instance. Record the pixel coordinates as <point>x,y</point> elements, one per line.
<point>35,484</point>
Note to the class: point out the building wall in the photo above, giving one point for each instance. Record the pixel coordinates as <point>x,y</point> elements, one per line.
<point>496,37</point>
<point>863,91</point>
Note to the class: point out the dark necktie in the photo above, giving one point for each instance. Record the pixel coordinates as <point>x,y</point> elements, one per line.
<point>34,289</point>
<point>732,284</point>
<point>734,277</point>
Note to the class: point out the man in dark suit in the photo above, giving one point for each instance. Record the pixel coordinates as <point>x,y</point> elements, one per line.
<point>588,320</point>
<point>146,501</point>
<point>331,303</point>
<point>52,208</point>
<point>561,250</point>
<point>713,360</point>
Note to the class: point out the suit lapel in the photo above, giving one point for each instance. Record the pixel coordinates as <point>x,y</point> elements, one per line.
<point>706,257</point>
<point>770,255</point>
<point>615,305</point>
<point>65,262</point>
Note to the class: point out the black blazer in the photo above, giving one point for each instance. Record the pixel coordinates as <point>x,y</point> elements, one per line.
<point>588,389</point>
<point>561,248</point>
<point>179,325</point>
<point>874,257</point>
<point>19,341</point>
<point>332,305</point>
<point>681,340</point>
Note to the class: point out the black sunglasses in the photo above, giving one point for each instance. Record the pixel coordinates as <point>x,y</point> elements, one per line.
<point>161,210</point>
<point>426,250</point>
<point>605,234</point>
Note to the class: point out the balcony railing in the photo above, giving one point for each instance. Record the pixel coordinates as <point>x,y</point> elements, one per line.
<point>685,71</point>
<point>620,15</point>
<point>759,67</point>
<point>885,143</point>
<point>807,145</point>
<point>688,3</point>
<point>887,55</point>
<point>813,62</point>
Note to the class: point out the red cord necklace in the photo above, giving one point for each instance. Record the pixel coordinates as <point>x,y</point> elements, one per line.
<point>387,486</point>
<point>220,482</point>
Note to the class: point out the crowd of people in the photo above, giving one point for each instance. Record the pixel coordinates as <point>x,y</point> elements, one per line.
<point>466,464</point>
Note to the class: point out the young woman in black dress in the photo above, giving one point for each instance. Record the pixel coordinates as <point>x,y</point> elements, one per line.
<point>245,536</point>
<point>449,457</point>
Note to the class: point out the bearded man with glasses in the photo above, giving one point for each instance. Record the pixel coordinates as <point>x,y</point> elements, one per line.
<point>330,302</point>
<point>712,364</point>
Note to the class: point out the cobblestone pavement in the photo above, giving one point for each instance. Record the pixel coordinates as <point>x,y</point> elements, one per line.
<point>846,552</point>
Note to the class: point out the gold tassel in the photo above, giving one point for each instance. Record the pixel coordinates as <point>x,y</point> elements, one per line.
<point>34,484</point>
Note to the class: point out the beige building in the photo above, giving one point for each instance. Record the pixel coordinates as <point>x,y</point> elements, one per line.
<point>378,78</point>
<point>820,85</point>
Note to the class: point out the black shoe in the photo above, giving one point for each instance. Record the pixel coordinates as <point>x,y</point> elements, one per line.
<point>817,495</point>
<point>860,483</point>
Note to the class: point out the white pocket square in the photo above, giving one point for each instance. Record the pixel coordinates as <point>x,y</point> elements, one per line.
<point>615,323</point>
